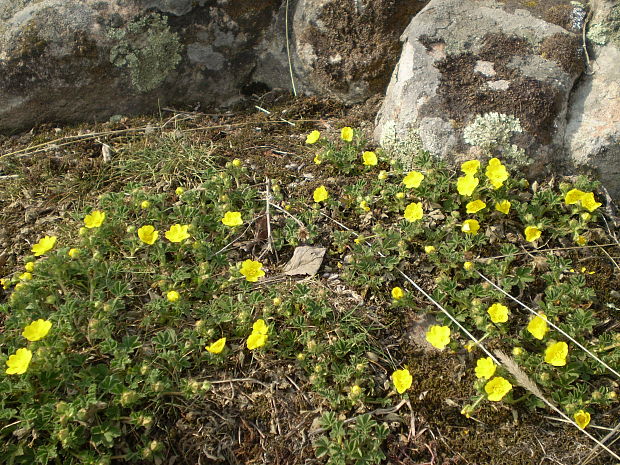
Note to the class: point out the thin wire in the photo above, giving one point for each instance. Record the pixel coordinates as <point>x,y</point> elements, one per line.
<point>533,312</point>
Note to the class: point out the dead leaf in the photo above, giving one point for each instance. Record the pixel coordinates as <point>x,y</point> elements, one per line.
<point>305,260</point>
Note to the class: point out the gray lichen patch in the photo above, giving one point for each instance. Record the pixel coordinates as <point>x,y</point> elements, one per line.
<point>147,48</point>
<point>564,13</point>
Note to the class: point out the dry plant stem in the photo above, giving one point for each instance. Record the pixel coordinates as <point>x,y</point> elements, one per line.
<point>433,301</point>
<point>594,452</point>
<point>270,246</point>
<point>482,259</point>
<point>610,257</point>
<point>533,312</point>
<point>277,207</point>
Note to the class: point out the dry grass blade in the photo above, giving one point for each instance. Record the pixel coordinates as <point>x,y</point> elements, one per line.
<point>595,452</point>
<point>528,384</point>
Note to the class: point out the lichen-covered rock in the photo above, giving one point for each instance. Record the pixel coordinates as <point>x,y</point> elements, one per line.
<point>462,59</point>
<point>85,60</point>
<point>593,129</point>
<point>347,50</point>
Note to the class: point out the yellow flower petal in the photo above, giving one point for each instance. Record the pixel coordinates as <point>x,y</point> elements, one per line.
<point>172,296</point>
<point>532,233</point>
<point>470,227</point>
<point>588,202</point>
<point>18,363</point>
<point>582,418</point>
<point>413,179</point>
<point>438,336</point>
<point>252,270</point>
<point>498,313</point>
<point>320,194</point>
<point>94,220</point>
<point>217,347</point>
<point>369,158</point>
<point>470,167</point>
<point>573,196</point>
<point>467,184</point>
<point>414,212</point>
<point>346,134</point>
<point>147,234</point>
<point>538,327</point>
<point>485,368</point>
<point>397,293</point>
<point>37,330</point>
<point>402,380</point>
<point>232,219</point>
<point>256,340</point>
<point>503,206</point>
<point>497,388</point>
<point>475,206</point>
<point>313,137</point>
<point>177,233</point>
<point>556,354</point>
<point>44,245</point>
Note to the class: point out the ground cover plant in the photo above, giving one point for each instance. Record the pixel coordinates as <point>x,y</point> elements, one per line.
<point>460,314</point>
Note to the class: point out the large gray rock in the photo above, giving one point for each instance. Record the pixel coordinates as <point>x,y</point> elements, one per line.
<point>463,58</point>
<point>593,129</point>
<point>85,60</point>
<point>347,49</point>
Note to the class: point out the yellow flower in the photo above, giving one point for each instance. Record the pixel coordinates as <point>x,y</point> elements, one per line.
<point>145,204</point>
<point>73,253</point>
<point>382,176</point>
<point>252,270</point>
<point>346,134</point>
<point>397,293</point>
<point>364,206</point>
<point>475,206</point>
<point>29,267</point>
<point>503,206</point>
<point>496,172</point>
<point>467,184</point>
<point>94,220</point>
<point>313,137</point>
<point>581,240</point>
<point>320,194</point>
<point>369,158</point>
<point>470,167</point>
<point>582,418</point>
<point>498,313</point>
<point>497,388</point>
<point>516,351</point>
<point>259,335</point>
<point>402,380</point>
<point>44,245</point>
<point>414,212</point>
<point>413,179</point>
<point>573,196</point>
<point>587,201</point>
<point>470,227</point>
<point>179,190</point>
<point>429,249</point>
<point>317,159</point>
<point>172,296</point>
<point>37,330</point>
<point>485,368</point>
<point>232,219</point>
<point>256,340</point>
<point>356,391</point>
<point>556,354</point>
<point>260,327</point>
<point>177,233</point>
<point>4,282</point>
<point>217,346</point>
<point>236,163</point>
<point>468,266</point>
<point>18,363</point>
<point>147,234</point>
<point>400,195</point>
<point>25,276</point>
<point>438,336</point>
<point>532,233</point>
<point>538,327</point>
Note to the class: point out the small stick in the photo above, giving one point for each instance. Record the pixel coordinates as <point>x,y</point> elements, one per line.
<point>270,246</point>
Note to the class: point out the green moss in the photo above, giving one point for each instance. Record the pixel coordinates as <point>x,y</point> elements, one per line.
<point>148,49</point>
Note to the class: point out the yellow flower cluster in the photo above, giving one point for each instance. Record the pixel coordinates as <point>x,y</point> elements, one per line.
<point>18,363</point>
<point>585,199</point>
